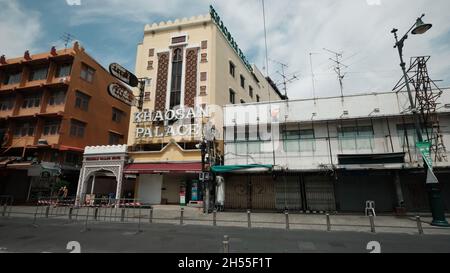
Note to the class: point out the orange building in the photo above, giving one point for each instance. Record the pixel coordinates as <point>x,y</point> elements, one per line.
<point>52,105</point>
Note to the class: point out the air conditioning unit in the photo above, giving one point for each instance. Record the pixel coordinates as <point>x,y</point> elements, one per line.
<point>42,142</point>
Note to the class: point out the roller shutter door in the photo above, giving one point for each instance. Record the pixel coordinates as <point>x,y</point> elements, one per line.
<point>263,192</point>
<point>288,193</point>
<point>236,192</point>
<point>320,193</point>
<point>355,189</point>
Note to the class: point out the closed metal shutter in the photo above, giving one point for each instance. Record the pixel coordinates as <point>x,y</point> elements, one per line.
<point>415,192</point>
<point>263,192</point>
<point>236,192</point>
<point>356,188</point>
<point>288,193</point>
<point>320,193</point>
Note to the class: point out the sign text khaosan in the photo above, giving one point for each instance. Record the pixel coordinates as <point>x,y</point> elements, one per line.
<point>182,126</point>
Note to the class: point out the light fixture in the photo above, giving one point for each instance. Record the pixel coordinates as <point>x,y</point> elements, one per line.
<point>421,27</point>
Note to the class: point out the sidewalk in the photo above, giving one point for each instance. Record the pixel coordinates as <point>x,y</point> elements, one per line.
<point>194,216</point>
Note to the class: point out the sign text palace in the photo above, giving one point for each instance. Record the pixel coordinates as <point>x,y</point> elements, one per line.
<point>177,122</point>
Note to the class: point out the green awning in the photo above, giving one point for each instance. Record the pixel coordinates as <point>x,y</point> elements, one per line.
<point>231,168</point>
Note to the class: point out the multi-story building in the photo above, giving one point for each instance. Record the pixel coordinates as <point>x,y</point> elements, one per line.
<point>192,68</point>
<point>52,105</point>
<point>332,154</point>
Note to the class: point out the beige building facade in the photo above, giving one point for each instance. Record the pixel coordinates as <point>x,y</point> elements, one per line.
<point>192,67</point>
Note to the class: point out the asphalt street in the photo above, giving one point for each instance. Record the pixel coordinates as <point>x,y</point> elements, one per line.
<point>19,235</point>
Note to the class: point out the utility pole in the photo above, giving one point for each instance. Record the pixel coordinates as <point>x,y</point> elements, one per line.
<point>338,68</point>
<point>434,192</point>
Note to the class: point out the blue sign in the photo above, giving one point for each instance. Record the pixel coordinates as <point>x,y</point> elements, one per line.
<point>194,191</point>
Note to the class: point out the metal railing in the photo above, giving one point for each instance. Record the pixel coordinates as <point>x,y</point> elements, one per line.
<point>132,211</point>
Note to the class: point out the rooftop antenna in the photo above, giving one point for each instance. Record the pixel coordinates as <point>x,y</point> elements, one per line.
<point>338,68</point>
<point>67,38</point>
<point>312,76</point>
<point>286,79</point>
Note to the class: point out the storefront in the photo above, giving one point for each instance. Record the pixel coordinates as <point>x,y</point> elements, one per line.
<point>166,183</point>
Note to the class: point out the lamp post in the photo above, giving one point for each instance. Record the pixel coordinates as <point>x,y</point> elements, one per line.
<point>434,193</point>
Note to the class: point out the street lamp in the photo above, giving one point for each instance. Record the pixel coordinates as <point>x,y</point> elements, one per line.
<point>434,193</point>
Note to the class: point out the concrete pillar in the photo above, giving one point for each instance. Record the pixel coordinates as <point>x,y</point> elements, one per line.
<point>119,179</point>
<point>398,189</point>
<point>79,187</point>
<point>93,184</point>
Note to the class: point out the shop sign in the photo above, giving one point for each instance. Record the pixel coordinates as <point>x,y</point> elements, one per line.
<point>122,93</point>
<point>124,75</point>
<point>230,39</point>
<point>178,116</point>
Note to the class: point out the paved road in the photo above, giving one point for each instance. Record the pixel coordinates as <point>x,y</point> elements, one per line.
<point>18,235</point>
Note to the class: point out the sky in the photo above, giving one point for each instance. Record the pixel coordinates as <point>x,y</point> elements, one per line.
<point>297,33</point>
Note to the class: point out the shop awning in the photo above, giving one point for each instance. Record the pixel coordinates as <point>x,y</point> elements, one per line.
<point>149,168</point>
<point>237,168</point>
<point>365,159</point>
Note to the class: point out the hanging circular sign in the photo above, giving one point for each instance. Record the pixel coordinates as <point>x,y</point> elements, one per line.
<point>122,93</point>
<point>124,75</point>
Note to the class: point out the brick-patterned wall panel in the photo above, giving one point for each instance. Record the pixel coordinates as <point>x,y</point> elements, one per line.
<point>161,81</point>
<point>190,88</point>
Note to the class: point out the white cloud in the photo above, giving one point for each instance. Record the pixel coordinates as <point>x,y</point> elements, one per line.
<point>19,30</point>
<point>359,28</point>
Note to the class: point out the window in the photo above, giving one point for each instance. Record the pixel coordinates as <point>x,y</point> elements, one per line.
<point>77,128</point>
<point>31,101</point>
<point>232,96</point>
<point>149,65</point>
<point>299,140</point>
<point>6,104</point>
<point>175,90</point>
<point>232,69</point>
<point>408,136</point>
<point>179,39</point>
<point>147,96</point>
<point>38,74</point>
<point>13,78</point>
<point>82,101</point>
<point>151,52</point>
<point>242,81</point>
<point>203,76</point>
<point>115,139</point>
<point>258,99</point>
<point>57,97</point>
<point>250,91</point>
<point>117,115</point>
<point>204,44</point>
<point>87,73</point>
<point>23,129</point>
<point>73,158</point>
<point>63,70</point>
<point>356,138</point>
<point>51,127</point>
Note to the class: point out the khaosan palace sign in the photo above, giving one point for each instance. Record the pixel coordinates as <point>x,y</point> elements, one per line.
<point>230,39</point>
<point>181,118</point>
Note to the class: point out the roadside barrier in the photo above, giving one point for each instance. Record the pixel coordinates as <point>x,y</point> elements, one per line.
<point>328,222</point>
<point>419,225</point>
<point>133,211</point>
<point>226,244</point>
<point>286,213</point>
